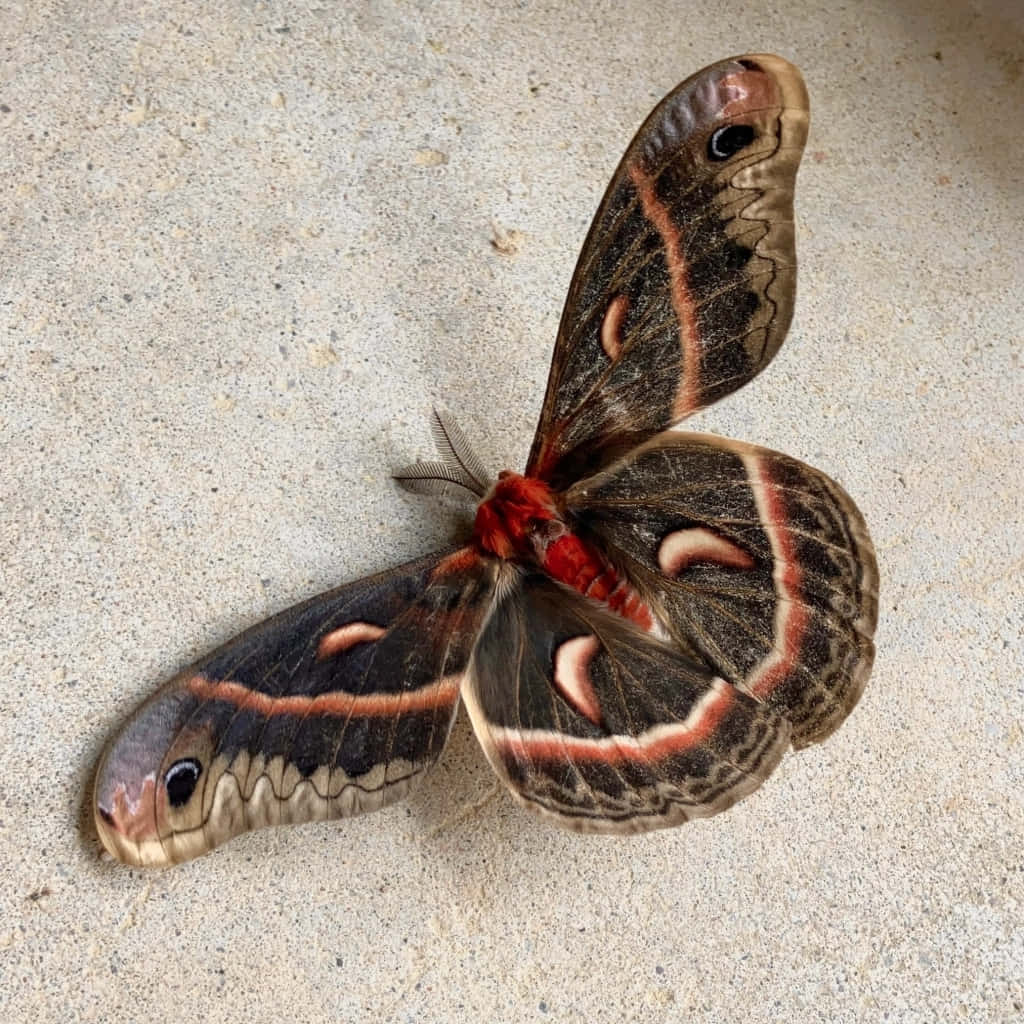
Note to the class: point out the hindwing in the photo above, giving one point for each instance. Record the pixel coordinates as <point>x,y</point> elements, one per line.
<point>684,288</point>
<point>756,564</point>
<point>331,708</point>
<point>593,723</point>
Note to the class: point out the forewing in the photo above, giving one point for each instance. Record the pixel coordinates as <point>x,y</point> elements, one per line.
<point>685,285</point>
<point>754,562</point>
<point>594,724</point>
<point>334,707</point>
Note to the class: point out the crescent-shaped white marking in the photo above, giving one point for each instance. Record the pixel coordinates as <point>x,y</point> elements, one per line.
<point>682,548</point>
<point>572,675</point>
<point>611,326</point>
<point>347,636</point>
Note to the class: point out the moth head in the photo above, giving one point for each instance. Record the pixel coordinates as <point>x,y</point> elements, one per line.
<point>514,509</point>
<point>151,781</point>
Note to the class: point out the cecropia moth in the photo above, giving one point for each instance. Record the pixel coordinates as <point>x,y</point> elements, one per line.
<point>640,624</point>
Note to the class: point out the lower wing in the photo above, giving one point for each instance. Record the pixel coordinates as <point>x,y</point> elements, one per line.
<point>756,564</point>
<point>598,726</point>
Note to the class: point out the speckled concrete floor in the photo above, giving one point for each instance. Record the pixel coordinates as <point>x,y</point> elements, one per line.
<point>245,252</point>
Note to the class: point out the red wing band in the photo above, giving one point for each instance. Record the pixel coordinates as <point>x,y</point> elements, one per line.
<point>790,613</point>
<point>652,745</point>
<point>445,692</point>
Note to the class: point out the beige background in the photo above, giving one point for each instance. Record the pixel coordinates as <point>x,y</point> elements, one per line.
<point>245,252</point>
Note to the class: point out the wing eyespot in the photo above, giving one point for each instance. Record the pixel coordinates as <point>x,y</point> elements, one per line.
<point>728,140</point>
<point>180,781</point>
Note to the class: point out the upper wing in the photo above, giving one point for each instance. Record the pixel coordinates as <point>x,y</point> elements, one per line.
<point>685,285</point>
<point>755,563</point>
<point>333,707</point>
<point>593,723</point>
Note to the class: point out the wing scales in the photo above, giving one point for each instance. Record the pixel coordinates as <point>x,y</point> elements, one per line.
<point>334,707</point>
<point>652,739</point>
<point>756,563</point>
<point>692,258</point>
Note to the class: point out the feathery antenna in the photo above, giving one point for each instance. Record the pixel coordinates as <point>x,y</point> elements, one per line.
<point>459,467</point>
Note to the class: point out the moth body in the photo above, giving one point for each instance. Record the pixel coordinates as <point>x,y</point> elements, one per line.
<point>522,520</point>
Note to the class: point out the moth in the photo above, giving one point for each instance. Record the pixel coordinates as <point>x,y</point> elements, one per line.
<point>640,624</point>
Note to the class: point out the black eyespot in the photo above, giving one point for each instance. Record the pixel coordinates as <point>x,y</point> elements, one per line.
<point>180,780</point>
<point>728,140</point>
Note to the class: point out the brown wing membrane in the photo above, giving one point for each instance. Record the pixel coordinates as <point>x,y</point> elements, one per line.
<point>334,707</point>
<point>756,564</point>
<point>596,725</point>
<point>685,285</point>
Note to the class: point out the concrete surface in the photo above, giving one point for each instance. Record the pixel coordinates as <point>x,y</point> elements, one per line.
<point>245,248</point>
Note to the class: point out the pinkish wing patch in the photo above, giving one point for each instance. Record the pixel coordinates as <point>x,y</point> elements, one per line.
<point>347,636</point>
<point>683,548</point>
<point>572,675</point>
<point>611,326</point>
